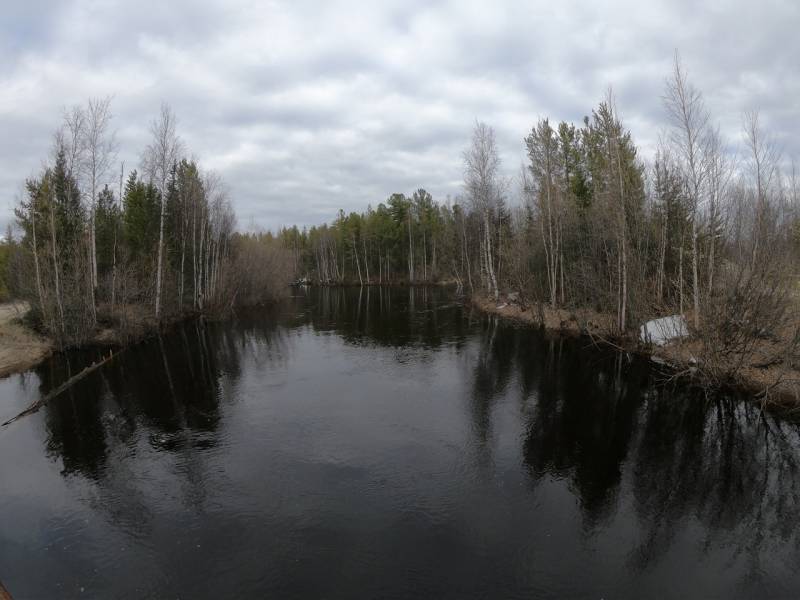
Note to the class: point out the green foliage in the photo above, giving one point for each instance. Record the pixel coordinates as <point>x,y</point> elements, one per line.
<point>145,255</point>
<point>108,226</point>
<point>142,207</point>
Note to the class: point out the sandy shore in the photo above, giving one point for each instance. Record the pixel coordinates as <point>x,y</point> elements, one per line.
<point>20,348</point>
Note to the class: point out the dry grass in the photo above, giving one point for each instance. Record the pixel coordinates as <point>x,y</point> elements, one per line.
<point>20,348</point>
<point>771,382</point>
<point>575,322</point>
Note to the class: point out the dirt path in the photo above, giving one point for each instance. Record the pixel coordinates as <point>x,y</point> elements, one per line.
<point>20,348</point>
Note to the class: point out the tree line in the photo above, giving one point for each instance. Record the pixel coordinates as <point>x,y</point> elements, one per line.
<point>102,247</point>
<point>704,229</point>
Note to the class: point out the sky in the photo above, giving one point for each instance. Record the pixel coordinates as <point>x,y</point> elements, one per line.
<point>306,107</point>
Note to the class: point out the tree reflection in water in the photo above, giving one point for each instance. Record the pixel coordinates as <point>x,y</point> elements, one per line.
<point>636,456</point>
<point>600,420</point>
<point>172,384</point>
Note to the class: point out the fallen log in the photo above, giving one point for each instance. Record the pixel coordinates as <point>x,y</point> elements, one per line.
<point>59,390</point>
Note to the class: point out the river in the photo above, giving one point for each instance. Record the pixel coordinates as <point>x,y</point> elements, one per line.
<point>389,443</point>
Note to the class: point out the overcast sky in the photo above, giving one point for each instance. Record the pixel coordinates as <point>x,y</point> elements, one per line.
<point>306,107</point>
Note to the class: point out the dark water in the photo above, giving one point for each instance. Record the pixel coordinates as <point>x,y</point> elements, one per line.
<point>389,444</point>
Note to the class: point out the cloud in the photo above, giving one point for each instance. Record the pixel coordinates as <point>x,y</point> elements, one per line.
<point>306,107</point>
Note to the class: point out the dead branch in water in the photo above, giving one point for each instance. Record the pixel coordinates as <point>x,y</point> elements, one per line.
<point>56,392</point>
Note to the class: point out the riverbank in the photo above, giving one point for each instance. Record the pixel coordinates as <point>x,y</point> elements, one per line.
<point>568,322</point>
<point>775,384</point>
<point>20,347</point>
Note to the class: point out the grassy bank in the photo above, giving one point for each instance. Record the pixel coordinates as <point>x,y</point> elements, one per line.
<point>21,348</point>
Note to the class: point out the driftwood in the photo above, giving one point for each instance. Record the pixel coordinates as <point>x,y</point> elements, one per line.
<point>56,392</point>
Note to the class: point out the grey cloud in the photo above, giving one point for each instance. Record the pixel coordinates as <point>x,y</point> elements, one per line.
<point>308,107</point>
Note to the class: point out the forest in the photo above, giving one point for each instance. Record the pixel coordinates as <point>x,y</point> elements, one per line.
<point>159,245</point>
<point>707,229</point>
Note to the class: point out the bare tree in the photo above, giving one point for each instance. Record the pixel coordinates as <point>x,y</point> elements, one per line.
<point>686,108</point>
<point>114,245</point>
<point>794,186</point>
<point>35,251</point>
<point>158,160</point>
<point>613,187</point>
<point>763,160</point>
<point>99,151</point>
<point>542,148</point>
<point>70,138</point>
<point>720,171</point>
<point>616,159</point>
<point>484,188</point>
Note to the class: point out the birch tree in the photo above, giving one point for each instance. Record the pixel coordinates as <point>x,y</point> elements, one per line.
<point>689,116</point>
<point>720,171</point>
<point>762,160</point>
<point>484,189</point>
<point>159,157</point>
<point>542,147</point>
<point>99,151</point>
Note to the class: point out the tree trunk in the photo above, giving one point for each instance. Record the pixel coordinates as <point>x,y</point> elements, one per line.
<point>366,261</point>
<point>56,278</point>
<point>39,289</point>
<point>662,261</point>
<point>160,248</point>
<point>358,263</point>
<point>695,274</point>
<point>489,259</point>
<point>680,277</point>
<point>410,252</point>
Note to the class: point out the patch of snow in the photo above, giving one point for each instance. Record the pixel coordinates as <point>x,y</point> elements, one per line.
<point>663,330</point>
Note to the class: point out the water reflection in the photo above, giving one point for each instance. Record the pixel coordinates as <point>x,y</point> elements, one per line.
<point>355,425</point>
<point>171,384</point>
<point>581,422</point>
<point>387,316</point>
<point>599,419</point>
<point>725,465</point>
